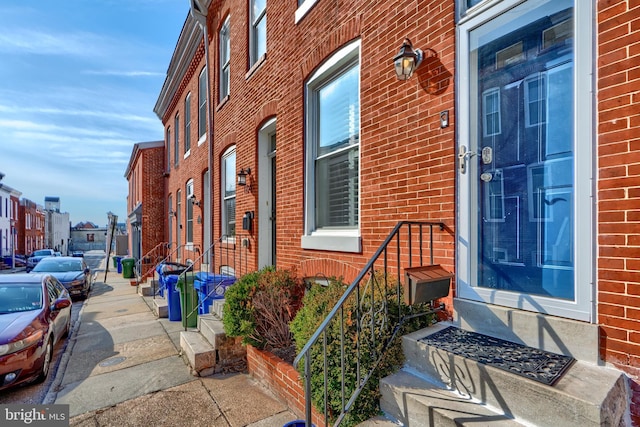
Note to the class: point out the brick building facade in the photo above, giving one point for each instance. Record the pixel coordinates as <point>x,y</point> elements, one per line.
<point>145,202</point>
<point>518,131</point>
<point>31,227</point>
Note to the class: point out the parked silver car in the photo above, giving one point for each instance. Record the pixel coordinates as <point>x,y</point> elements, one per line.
<point>36,256</point>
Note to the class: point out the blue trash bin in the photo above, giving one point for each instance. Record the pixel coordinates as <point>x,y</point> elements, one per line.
<point>210,287</point>
<point>173,297</point>
<point>119,261</point>
<point>297,423</point>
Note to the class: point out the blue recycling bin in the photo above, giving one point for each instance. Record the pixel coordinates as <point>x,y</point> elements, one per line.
<point>173,297</point>
<point>165,269</point>
<point>297,423</point>
<point>210,287</point>
<point>119,262</point>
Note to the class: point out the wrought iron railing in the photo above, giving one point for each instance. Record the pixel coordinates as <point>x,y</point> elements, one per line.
<point>406,246</point>
<point>145,266</point>
<point>223,258</point>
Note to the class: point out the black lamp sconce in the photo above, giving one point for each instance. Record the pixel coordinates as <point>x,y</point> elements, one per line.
<point>408,60</point>
<point>243,179</point>
<point>172,213</point>
<point>194,201</point>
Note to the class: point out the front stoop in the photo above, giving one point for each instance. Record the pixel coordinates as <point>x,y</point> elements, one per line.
<point>415,401</point>
<point>198,353</point>
<point>446,389</point>
<point>145,290</point>
<point>160,307</point>
<point>208,350</point>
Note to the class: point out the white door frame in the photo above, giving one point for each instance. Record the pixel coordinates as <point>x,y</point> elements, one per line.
<point>583,307</point>
<point>265,194</point>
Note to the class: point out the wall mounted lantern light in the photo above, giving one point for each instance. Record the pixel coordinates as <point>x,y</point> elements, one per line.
<point>194,201</point>
<point>173,213</point>
<point>243,179</point>
<point>407,60</point>
<point>242,176</point>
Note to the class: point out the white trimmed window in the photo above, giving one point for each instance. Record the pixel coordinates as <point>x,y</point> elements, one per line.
<point>202,106</point>
<point>168,145</point>
<point>258,39</point>
<point>189,222</point>
<point>332,145</point>
<point>304,6</point>
<point>225,59</point>
<point>187,124</point>
<point>176,140</point>
<point>228,173</point>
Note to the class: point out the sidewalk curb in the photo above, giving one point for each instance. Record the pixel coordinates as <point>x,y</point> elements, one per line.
<point>52,393</point>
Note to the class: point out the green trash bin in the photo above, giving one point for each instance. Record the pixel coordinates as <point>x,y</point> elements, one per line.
<point>128,265</point>
<point>188,301</point>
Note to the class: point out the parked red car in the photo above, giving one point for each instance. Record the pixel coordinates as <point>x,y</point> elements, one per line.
<point>35,314</point>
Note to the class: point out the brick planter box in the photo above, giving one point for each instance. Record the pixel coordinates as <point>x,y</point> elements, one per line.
<point>282,379</point>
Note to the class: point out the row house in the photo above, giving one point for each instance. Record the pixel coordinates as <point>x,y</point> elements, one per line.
<point>31,227</point>
<point>146,201</point>
<point>290,140</point>
<point>9,200</point>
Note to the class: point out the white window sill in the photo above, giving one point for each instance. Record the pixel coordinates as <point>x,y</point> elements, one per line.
<point>187,154</point>
<point>304,8</point>
<point>332,242</point>
<point>202,139</point>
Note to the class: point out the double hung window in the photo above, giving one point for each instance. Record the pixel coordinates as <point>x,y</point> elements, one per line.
<point>228,171</point>
<point>187,124</point>
<point>225,59</point>
<point>258,40</point>
<point>333,153</point>
<point>176,140</point>
<point>202,105</point>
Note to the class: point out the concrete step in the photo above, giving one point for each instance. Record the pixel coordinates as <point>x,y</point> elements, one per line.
<point>212,329</point>
<point>224,354</point>
<point>198,353</point>
<point>586,395</point>
<point>378,421</point>
<point>217,308</point>
<point>415,401</point>
<point>160,307</point>
<point>145,290</point>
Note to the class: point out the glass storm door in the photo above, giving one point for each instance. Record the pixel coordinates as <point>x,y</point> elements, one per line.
<point>516,163</point>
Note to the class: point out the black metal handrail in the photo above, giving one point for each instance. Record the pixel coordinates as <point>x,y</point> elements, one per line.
<point>155,255</point>
<point>228,255</point>
<point>404,254</point>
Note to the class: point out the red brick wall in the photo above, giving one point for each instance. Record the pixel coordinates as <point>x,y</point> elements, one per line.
<point>193,166</point>
<point>618,190</point>
<point>153,203</point>
<point>407,167</point>
<point>146,186</point>
<point>282,379</point>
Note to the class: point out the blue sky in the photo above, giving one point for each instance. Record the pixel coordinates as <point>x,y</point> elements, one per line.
<point>78,83</point>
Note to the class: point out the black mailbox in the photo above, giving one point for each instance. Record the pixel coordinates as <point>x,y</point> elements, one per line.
<point>247,221</point>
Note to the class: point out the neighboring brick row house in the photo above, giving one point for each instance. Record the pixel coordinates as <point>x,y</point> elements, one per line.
<point>31,226</point>
<point>520,131</point>
<point>145,203</point>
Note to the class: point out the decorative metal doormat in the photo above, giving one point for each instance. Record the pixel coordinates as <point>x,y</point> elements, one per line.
<point>529,362</point>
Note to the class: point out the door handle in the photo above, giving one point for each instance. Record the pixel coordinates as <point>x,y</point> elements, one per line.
<point>463,156</point>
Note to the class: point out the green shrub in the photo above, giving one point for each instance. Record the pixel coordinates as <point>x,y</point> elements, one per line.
<point>260,306</point>
<point>317,304</point>
<point>239,317</point>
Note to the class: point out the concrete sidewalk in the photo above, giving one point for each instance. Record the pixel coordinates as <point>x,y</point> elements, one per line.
<point>123,368</point>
